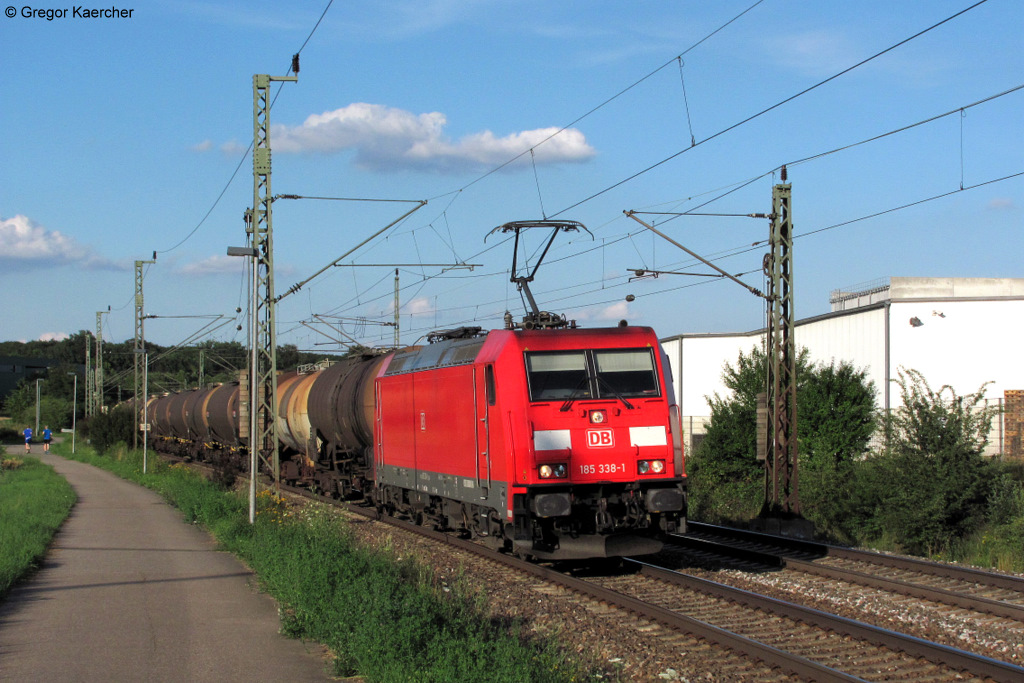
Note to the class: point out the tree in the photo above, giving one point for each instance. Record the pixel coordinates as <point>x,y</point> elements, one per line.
<point>930,486</point>
<point>104,430</point>
<point>835,408</point>
<point>55,398</point>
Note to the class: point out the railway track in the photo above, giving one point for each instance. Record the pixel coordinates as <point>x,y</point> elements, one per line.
<point>754,636</point>
<point>796,640</point>
<point>859,650</point>
<point>966,588</point>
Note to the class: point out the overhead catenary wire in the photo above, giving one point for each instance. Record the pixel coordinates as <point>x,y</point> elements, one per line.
<point>606,102</point>
<point>456,193</point>
<point>248,150</point>
<point>768,109</point>
<point>736,187</point>
<point>496,312</point>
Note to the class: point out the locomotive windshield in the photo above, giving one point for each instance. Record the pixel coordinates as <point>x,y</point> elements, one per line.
<point>557,375</point>
<point>598,373</point>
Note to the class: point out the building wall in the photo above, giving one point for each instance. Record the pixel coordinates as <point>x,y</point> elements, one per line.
<point>963,343</point>
<point>14,369</point>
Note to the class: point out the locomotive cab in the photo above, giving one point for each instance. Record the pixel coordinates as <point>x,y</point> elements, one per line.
<point>600,473</point>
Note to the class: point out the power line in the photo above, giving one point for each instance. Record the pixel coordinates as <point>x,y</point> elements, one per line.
<point>606,102</point>
<point>820,155</point>
<point>736,251</point>
<point>245,155</point>
<point>771,108</point>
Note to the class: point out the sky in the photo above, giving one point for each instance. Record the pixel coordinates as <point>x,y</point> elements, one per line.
<point>125,136</point>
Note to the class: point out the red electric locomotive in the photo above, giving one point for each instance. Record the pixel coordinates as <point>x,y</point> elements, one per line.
<point>555,443</point>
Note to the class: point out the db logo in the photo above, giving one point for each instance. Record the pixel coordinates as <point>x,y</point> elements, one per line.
<point>600,438</point>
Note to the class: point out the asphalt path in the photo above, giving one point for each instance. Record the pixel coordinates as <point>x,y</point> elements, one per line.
<point>130,592</point>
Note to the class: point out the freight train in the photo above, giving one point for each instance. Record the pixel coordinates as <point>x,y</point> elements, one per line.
<point>553,444</point>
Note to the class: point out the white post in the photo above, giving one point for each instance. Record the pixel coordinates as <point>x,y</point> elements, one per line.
<point>37,406</point>
<point>252,254</point>
<point>253,426</point>
<point>74,413</point>
<point>145,409</point>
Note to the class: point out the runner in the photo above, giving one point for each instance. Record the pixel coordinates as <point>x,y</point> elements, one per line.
<point>28,439</point>
<point>47,437</point>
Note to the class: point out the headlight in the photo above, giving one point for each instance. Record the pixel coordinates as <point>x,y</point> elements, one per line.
<point>597,417</point>
<point>651,466</point>
<point>557,471</point>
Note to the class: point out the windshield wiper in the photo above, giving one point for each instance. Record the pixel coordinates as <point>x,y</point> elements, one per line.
<point>572,397</point>
<point>616,394</point>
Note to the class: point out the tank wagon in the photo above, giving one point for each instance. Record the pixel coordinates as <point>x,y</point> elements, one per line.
<point>554,444</point>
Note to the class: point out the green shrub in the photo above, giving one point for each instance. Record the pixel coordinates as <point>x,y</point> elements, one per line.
<point>106,429</point>
<point>931,485</point>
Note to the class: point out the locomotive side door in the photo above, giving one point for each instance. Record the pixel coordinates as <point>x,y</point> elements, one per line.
<point>484,394</point>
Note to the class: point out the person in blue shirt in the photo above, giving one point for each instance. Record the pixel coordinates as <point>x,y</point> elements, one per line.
<point>28,439</point>
<point>47,437</point>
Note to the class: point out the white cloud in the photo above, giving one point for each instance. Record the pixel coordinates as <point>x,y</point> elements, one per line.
<point>418,306</point>
<point>222,264</point>
<point>1001,204</point>
<point>388,138</point>
<point>53,336</point>
<point>815,53</point>
<point>215,265</point>
<point>233,149</point>
<point>204,146</point>
<point>821,53</point>
<point>616,311</point>
<point>22,240</point>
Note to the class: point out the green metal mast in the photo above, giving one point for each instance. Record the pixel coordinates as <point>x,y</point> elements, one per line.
<point>89,379</point>
<point>781,485</point>
<point>98,383</point>
<point>259,224</point>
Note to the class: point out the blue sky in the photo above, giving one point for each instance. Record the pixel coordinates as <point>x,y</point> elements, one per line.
<point>117,136</point>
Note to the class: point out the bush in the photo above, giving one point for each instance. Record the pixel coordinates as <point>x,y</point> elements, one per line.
<point>931,485</point>
<point>835,404</point>
<point>10,436</point>
<point>106,429</point>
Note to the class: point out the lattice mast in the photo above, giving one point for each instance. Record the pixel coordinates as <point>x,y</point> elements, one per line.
<point>781,481</point>
<point>89,378</point>
<point>259,224</point>
<point>98,384</point>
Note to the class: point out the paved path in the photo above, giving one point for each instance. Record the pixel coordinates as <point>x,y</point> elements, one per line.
<point>129,592</point>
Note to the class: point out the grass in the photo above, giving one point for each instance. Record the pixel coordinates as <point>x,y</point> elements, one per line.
<point>383,618</point>
<point>34,502</point>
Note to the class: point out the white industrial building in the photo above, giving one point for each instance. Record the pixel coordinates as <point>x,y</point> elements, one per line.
<point>957,331</point>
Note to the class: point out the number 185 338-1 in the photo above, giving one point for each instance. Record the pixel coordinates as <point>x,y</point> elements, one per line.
<point>604,468</point>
